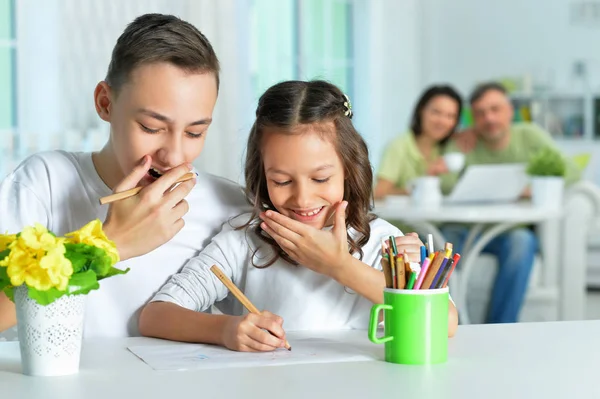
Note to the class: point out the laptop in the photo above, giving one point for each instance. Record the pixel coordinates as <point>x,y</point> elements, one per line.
<point>489,183</point>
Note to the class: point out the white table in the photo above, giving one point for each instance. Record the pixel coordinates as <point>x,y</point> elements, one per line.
<point>487,221</point>
<point>526,360</point>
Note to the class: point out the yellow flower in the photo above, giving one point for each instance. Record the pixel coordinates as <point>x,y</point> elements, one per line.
<point>36,257</point>
<point>92,234</point>
<point>6,239</point>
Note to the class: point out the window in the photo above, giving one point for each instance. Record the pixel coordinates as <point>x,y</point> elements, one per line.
<point>301,39</point>
<point>8,103</point>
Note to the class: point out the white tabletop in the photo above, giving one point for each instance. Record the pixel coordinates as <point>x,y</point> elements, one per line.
<point>400,207</point>
<point>529,360</point>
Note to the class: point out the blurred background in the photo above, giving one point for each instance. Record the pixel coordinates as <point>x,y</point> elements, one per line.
<point>381,52</point>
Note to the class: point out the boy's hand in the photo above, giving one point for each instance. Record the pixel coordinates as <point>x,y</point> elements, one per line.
<point>252,333</point>
<point>149,219</point>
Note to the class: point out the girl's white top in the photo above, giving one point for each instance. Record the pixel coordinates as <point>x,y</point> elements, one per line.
<point>306,300</point>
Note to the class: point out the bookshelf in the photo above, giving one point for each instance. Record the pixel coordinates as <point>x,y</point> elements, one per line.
<point>565,115</point>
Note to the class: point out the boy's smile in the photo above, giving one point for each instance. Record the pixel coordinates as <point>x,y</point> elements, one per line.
<point>162,111</point>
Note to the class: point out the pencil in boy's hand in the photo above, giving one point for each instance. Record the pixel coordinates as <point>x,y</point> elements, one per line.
<point>240,295</point>
<point>130,193</point>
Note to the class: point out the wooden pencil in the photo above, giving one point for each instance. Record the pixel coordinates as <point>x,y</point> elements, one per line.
<point>385,266</point>
<point>239,295</point>
<point>400,272</point>
<point>130,193</point>
<point>433,270</point>
<point>387,271</point>
<point>393,268</point>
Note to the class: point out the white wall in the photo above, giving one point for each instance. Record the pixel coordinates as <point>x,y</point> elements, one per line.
<point>465,41</point>
<point>64,48</point>
<point>387,69</point>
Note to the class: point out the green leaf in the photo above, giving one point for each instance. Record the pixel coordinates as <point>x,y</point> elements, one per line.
<point>79,261</point>
<point>45,297</point>
<point>85,257</point>
<point>547,162</point>
<point>79,284</point>
<point>4,254</point>
<point>9,292</point>
<point>113,271</point>
<point>4,279</point>
<point>101,265</point>
<point>82,283</point>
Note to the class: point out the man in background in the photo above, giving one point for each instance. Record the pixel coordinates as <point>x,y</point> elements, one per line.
<point>495,139</point>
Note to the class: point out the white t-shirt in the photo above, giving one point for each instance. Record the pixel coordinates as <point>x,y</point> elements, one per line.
<point>61,190</point>
<point>306,300</point>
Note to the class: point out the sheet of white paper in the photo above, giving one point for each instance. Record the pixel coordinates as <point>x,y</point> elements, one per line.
<point>199,356</point>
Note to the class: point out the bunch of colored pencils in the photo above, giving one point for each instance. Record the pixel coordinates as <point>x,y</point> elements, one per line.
<point>434,271</point>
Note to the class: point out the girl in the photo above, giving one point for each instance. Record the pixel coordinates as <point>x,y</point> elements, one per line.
<point>417,152</point>
<point>310,250</point>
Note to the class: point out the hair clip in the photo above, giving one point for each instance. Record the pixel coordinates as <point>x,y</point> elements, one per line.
<point>348,106</point>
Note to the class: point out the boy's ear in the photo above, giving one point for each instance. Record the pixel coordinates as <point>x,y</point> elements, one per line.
<point>103,100</point>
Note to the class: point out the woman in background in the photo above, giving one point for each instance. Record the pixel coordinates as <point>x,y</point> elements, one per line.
<point>418,152</point>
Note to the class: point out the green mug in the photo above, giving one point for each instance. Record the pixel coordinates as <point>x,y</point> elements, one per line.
<point>415,325</point>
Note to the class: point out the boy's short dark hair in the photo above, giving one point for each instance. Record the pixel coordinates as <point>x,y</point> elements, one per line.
<point>483,88</point>
<point>153,38</point>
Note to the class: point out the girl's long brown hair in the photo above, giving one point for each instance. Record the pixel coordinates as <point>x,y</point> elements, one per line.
<point>284,107</point>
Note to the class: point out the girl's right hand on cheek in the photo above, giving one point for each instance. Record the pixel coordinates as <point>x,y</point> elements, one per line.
<point>250,333</point>
<point>144,222</point>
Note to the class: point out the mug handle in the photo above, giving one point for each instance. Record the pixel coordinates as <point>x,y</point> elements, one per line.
<point>374,322</point>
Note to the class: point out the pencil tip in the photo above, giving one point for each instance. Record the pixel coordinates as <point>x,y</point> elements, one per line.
<point>290,348</point>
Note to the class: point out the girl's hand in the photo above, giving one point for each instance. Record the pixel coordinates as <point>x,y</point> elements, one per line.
<point>411,244</point>
<point>319,250</point>
<point>149,219</point>
<point>251,333</point>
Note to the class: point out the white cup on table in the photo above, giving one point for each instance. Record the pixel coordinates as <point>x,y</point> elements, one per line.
<point>454,161</point>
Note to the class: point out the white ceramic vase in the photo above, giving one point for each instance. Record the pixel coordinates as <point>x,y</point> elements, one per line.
<point>547,191</point>
<point>49,336</point>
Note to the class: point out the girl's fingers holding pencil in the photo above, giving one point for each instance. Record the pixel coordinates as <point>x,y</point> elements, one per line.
<point>242,334</point>
<point>265,332</point>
